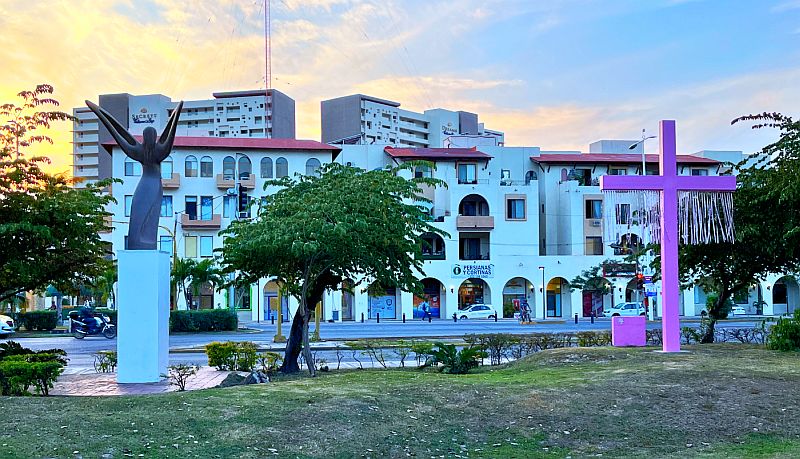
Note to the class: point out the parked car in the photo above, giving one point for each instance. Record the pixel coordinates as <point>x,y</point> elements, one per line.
<point>477,311</point>
<point>625,309</point>
<point>738,311</point>
<point>6,326</point>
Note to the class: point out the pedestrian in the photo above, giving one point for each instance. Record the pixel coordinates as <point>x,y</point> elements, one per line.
<point>426,313</point>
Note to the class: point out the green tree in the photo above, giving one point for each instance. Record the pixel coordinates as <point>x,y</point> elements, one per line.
<point>188,275</point>
<point>318,230</point>
<point>766,220</point>
<point>49,231</point>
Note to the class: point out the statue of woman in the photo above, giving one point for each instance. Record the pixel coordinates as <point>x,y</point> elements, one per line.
<point>146,204</point>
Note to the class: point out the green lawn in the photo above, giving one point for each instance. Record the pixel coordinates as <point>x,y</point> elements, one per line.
<point>714,401</point>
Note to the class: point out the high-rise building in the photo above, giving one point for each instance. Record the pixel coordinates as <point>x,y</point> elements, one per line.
<point>256,113</point>
<point>366,120</point>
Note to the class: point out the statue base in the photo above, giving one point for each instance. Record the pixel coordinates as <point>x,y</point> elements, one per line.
<point>143,315</point>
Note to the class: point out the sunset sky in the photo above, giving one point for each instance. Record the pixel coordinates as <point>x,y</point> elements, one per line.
<point>554,74</point>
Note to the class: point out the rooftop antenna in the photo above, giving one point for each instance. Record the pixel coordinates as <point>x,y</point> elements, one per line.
<point>267,69</point>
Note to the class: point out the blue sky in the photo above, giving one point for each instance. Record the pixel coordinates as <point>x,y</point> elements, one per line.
<point>557,74</point>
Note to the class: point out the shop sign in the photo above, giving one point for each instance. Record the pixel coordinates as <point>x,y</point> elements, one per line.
<point>480,271</point>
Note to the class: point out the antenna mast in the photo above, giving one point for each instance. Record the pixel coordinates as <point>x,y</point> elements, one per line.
<point>267,47</point>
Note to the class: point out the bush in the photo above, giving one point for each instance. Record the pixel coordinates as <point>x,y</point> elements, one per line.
<point>457,362</point>
<point>39,320</point>
<point>105,361</point>
<point>178,375</point>
<point>269,362</point>
<point>785,335</point>
<point>203,320</point>
<point>111,313</point>
<point>21,368</point>
<point>230,355</point>
<point>655,337</point>
<point>593,338</point>
<point>498,345</point>
<point>423,350</point>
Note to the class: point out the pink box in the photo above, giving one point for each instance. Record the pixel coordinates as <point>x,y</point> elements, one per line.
<point>628,331</point>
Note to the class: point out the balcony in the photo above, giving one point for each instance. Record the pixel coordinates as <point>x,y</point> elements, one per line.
<point>476,222</point>
<point>214,223</point>
<point>224,183</point>
<point>171,183</point>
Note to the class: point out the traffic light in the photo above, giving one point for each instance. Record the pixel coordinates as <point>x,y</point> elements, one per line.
<point>639,281</point>
<point>244,200</point>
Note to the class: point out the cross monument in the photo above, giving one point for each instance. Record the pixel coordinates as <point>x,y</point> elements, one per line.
<point>669,183</point>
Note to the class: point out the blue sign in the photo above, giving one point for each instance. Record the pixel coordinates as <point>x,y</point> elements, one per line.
<point>649,293</point>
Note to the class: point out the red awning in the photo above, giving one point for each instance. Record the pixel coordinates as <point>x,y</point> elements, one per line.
<point>437,154</point>
<point>554,158</point>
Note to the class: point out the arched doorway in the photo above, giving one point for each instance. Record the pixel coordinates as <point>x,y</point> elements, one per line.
<point>633,294</point>
<point>516,293</point>
<point>473,291</point>
<point>348,300</point>
<point>558,298</point>
<point>785,295</point>
<point>382,302</point>
<point>433,297</point>
<point>473,205</point>
<point>272,298</point>
<point>597,295</point>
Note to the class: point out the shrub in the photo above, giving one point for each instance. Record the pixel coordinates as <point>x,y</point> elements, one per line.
<point>690,335</point>
<point>403,350</point>
<point>655,336</point>
<point>203,320</point>
<point>39,320</point>
<point>10,348</point>
<point>111,313</point>
<point>593,338</point>
<point>423,350</point>
<point>269,362</point>
<point>178,375</point>
<point>457,362</point>
<point>21,368</point>
<point>785,335</point>
<point>105,361</point>
<point>231,355</point>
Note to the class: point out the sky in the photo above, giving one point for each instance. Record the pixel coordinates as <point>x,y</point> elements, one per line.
<point>557,74</point>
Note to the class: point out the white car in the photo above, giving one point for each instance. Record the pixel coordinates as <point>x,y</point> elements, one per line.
<point>625,309</point>
<point>6,326</point>
<point>738,311</point>
<point>477,311</point>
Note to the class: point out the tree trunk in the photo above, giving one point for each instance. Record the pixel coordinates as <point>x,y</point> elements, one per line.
<point>714,315</point>
<point>708,336</point>
<point>294,344</point>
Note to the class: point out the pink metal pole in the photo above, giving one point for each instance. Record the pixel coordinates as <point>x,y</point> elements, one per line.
<point>670,285</point>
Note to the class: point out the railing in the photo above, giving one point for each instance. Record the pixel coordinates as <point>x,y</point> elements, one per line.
<point>171,183</point>
<point>225,183</point>
<point>481,256</point>
<point>214,223</point>
<point>473,182</point>
<point>475,222</point>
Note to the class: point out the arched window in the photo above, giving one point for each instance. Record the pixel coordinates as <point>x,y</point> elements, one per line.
<point>432,246</point>
<point>206,167</point>
<point>245,168</point>
<point>132,168</point>
<point>166,168</point>
<point>473,205</point>
<point>228,168</point>
<point>281,168</point>
<point>191,166</point>
<point>266,167</point>
<point>312,166</point>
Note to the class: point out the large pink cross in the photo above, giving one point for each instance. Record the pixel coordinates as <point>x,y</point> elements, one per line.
<point>668,183</point>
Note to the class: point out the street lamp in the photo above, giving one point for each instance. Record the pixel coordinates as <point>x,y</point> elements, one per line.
<point>544,294</point>
<point>644,137</point>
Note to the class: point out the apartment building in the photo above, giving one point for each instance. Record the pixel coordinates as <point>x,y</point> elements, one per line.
<point>365,120</point>
<point>249,114</point>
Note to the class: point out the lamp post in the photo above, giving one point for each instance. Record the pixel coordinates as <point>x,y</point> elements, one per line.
<point>544,294</point>
<point>644,137</point>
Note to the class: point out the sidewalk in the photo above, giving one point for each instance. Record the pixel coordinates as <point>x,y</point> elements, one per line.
<point>104,384</point>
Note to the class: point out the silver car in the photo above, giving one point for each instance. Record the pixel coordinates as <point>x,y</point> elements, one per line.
<point>6,326</point>
<point>625,309</point>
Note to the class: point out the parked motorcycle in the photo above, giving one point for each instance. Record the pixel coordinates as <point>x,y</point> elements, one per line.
<point>91,324</point>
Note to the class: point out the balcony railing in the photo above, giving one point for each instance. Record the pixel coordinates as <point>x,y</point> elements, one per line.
<point>473,182</point>
<point>475,222</point>
<point>224,183</point>
<point>171,183</point>
<point>214,223</point>
<point>474,257</point>
<point>434,255</point>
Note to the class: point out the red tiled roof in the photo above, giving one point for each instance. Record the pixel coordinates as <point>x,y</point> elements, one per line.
<point>242,143</point>
<point>615,158</point>
<point>436,154</point>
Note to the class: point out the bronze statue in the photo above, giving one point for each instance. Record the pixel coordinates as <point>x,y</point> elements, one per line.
<point>146,204</point>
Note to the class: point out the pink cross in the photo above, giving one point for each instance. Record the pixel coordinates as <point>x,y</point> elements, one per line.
<point>668,183</point>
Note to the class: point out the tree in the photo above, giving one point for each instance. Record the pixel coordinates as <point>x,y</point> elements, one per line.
<point>318,230</point>
<point>766,220</point>
<point>593,279</point>
<point>188,275</point>
<point>49,231</point>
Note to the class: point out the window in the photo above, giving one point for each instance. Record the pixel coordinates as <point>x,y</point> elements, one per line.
<point>422,171</point>
<point>166,206</point>
<point>165,244</point>
<point>473,205</point>
<point>700,172</point>
<point>191,166</point>
<point>128,204</point>
<point>617,171</point>
<point>206,167</point>
<point>245,168</point>
<point>281,168</point>
<point>206,246</point>
<point>594,208</point>
<point>229,206</point>
<point>228,168</point>
<point>132,168</point>
<point>266,168</point>
<point>432,246</point>
<point>191,207</point>
<point>312,166</point>
<point>594,245</point>
<point>584,176</point>
<point>190,246</point>
<point>624,213</point>
<point>468,173</point>
<point>166,168</point>
<point>505,177</point>
<point>515,209</point>
<point>206,207</point>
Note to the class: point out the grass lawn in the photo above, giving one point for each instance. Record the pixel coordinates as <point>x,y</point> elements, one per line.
<point>714,401</point>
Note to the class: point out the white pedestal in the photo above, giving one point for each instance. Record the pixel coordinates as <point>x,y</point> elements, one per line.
<point>143,315</point>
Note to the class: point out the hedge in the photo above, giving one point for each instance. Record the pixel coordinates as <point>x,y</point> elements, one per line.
<point>203,320</point>
<point>39,320</point>
<point>111,313</point>
<point>22,368</point>
<point>239,356</point>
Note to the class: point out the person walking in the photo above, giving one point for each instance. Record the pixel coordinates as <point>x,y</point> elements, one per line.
<point>426,313</point>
